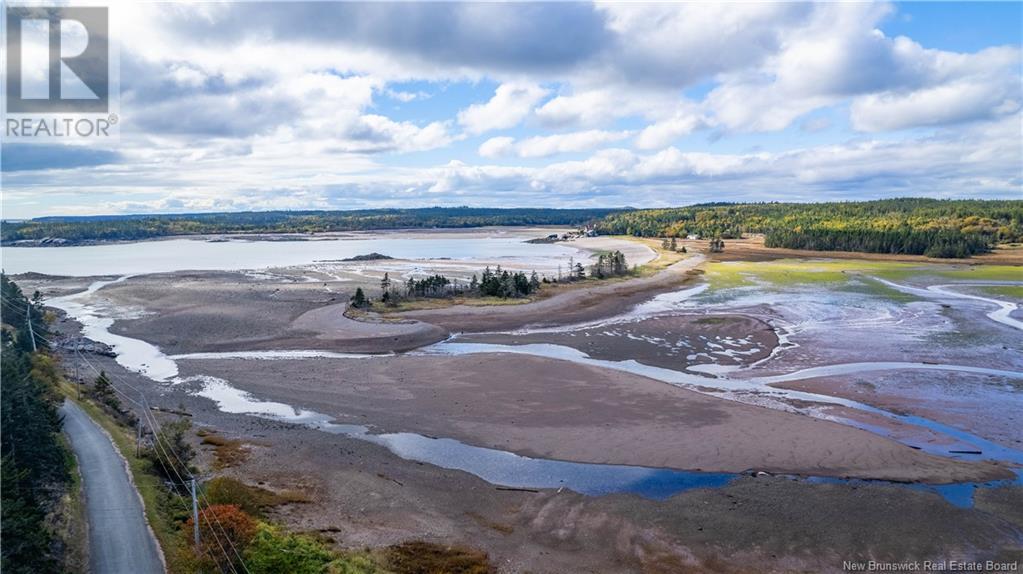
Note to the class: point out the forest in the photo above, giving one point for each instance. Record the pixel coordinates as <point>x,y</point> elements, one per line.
<point>135,227</point>
<point>936,228</point>
<point>36,464</point>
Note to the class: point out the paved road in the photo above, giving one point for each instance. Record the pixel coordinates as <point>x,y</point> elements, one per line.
<point>119,539</point>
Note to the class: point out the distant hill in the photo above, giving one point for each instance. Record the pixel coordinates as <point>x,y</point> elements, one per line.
<point>76,230</point>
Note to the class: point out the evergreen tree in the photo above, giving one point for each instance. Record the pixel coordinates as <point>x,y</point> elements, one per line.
<point>33,461</point>
<point>359,300</point>
<point>534,282</point>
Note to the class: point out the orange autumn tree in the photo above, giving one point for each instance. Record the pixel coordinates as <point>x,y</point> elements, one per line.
<point>225,531</point>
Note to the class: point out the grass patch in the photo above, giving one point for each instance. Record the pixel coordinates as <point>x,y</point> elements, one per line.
<point>444,302</point>
<point>226,452</point>
<point>665,257</point>
<point>795,272</point>
<point>984,273</point>
<point>419,557</point>
<point>868,286</point>
<point>711,320</point>
<point>68,520</point>
<point>252,499</point>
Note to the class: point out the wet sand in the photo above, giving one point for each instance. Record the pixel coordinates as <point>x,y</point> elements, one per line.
<point>208,311</point>
<point>362,495</point>
<point>555,409</point>
<point>971,402</point>
<point>671,342</point>
<point>225,311</point>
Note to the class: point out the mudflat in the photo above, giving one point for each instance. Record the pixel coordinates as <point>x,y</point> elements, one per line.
<point>669,341</point>
<point>226,311</point>
<point>555,409</point>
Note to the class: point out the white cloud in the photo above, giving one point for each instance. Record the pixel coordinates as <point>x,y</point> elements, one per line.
<point>942,105</point>
<point>602,106</point>
<point>662,133</point>
<point>497,147</point>
<point>511,103</point>
<point>543,146</point>
<point>893,83</point>
<point>680,44</point>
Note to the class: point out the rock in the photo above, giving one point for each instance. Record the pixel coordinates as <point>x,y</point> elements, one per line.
<point>84,345</point>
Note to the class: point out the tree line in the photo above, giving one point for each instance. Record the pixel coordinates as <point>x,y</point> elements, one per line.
<point>136,227</point>
<point>937,228</point>
<point>35,468</point>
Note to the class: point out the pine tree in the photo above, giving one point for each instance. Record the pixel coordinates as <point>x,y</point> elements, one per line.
<point>105,392</point>
<point>359,299</point>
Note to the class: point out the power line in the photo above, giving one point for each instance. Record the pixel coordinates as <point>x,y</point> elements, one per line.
<point>28,319</point>
<point>169,466</point>
<point>161,449</point>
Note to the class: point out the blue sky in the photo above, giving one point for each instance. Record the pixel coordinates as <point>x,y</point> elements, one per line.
<point>252,106</point>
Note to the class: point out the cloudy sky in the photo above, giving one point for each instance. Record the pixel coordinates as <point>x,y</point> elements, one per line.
<point>253,106</point>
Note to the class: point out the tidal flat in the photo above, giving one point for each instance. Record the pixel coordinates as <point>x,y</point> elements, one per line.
<point>874,374</point>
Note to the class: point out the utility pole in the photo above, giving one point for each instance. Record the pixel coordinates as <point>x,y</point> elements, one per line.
<point>138,438</point>
<point>78,379</point>
<point>28,315</point>
<point>195,516</point>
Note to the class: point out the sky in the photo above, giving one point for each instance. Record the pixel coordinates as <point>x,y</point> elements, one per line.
<point>319,105</point>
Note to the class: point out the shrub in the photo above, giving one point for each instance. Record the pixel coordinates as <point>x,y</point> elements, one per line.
<point>171,454</point>
<point>418,557</point>
<point>225,531</point>
<point>272,551</point>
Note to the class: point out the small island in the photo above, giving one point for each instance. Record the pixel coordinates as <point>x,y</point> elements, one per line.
<point>368,257</point>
